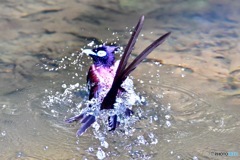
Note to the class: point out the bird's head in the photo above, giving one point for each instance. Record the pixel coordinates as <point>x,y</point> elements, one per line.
<point>103,55</point>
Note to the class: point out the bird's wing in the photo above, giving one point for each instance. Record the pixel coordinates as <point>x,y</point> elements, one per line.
<point>92,83</point>
<point>86,120</point>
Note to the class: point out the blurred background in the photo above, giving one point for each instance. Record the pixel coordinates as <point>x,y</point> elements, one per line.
<point>199,67</point>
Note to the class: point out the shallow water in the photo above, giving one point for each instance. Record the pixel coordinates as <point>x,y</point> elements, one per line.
<point>191,83</point>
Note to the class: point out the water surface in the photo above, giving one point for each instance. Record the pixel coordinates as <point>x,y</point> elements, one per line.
<point>190,83</point>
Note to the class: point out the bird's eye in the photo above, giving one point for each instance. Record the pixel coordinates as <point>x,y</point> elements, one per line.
<point>101,53</point>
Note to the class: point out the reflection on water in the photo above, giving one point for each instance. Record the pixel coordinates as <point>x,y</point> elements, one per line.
<point>190,84</point>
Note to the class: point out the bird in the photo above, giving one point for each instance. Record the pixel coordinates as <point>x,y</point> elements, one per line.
<point>106,76</point>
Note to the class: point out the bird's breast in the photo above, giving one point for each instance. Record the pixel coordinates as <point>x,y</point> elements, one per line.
<point>105,76</point>
<point>100,80</point>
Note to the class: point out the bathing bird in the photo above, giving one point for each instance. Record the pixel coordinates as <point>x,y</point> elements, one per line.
<point>106,76</point>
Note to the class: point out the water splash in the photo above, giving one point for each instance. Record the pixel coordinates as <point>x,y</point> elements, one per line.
<point>100,154</point>
<point>73,97</point>
<point>137,135</point>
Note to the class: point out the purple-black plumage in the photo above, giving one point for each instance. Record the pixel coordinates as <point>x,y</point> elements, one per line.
<point>106,76</point>
<point>101,74</point>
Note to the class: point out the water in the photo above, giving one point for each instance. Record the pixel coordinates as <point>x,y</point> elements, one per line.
<point>190,84</point>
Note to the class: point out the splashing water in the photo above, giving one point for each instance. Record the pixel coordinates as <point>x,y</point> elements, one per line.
<point>74,97</point>
<point>136,135</point>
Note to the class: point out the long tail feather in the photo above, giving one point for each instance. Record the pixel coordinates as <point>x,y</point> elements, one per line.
<point>129,48</point>
<point>143,55</point>
<point>110,98</point>
<point>123,72</point>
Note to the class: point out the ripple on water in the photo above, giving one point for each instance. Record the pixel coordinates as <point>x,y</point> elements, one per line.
<point>170,117</point>
<point>137,138</point>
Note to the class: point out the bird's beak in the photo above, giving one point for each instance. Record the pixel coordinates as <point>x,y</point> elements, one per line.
<point>89,52</point>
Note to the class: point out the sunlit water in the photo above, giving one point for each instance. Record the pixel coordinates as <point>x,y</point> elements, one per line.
<point>190,95</point>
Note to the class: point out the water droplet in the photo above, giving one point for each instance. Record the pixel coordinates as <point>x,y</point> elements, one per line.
<point>45,148</point>
<point>195,158</point>
<point>141,140</point>
<point>90,149</point>
<point>153,139</point>
<point>76,85</point>
<point>168,123</point>
<point>167,116</point>
<point>96,126</point>
<point>104,144</point>
<point>90,44</point>
<point>3,133</point>
<point>155,118</point>
<point>54,113</point>
<point>19,154</point>
<point>182,75</point>
<point>100,154</point>
<point>150,119</point>
<point>64,86</point>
